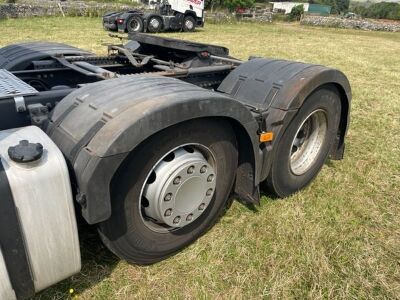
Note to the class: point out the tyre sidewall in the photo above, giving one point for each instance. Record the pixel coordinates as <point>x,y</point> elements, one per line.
<point>281,178</point>
<point>126,234</point>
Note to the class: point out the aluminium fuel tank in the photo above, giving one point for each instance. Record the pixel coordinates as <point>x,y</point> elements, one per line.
<point>39,243</point>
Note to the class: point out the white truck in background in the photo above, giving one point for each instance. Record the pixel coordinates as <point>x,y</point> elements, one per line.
<point>165,15</point>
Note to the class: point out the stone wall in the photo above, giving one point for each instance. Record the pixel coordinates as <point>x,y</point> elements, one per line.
<point>265,17</point>
<point>224,17</point>
<point>52,8</point>
<point>364,24</point>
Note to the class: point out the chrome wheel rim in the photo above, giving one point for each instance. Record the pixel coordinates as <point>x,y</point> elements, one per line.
<point>189,24</point>
<point>155,23</point>
<point>308,142</point>
<point>178,189</point>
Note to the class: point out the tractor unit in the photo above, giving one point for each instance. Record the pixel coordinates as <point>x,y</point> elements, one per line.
<point>150,144</point>
<point>174,15</point>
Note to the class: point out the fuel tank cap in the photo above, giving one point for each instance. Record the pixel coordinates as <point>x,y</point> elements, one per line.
<point>25,152</point>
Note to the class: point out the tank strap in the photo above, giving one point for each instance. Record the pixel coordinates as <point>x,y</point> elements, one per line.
<point>12,242</point>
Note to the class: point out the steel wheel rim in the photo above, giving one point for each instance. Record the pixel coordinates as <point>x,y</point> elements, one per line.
<point>168,203</point>
<point>134,25</point>
<point>308,142</point>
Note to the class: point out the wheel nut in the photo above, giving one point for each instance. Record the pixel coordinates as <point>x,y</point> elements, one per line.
<point>190,170</point>
<point>189,218</point>
<point>209,192</point>
<point>168,212</point>
<point>177,180</point>
<point>203,169</point>
<point>177,220</point>
<point>202,206</point>
<point>168,197</point>
<point>210,178</point>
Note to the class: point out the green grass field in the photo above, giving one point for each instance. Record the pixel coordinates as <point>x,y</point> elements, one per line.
<point>339,238</point>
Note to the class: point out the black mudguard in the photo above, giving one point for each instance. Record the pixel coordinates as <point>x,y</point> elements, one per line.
<point>276,89</point>
<point>19,56</point>
<point>98,125</point>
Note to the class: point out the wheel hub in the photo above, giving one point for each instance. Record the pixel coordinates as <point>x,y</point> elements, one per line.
<point>134,25</point>
<point>308,141</point>
<point>180,188</point>
<point>189,24</point>
<point>154,23</point>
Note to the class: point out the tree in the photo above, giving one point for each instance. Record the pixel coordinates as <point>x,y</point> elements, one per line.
<point>338,6</point>
<point>296,12</point>
<point>382,10</point>
<point>210,4</point>
<point>233,4</point>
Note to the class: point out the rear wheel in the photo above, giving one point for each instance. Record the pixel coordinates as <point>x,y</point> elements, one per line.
<point>135,24</point>
<point>154,24</point>
<point>306,143</point>
<point>189,24</point>
<point>172,189</point>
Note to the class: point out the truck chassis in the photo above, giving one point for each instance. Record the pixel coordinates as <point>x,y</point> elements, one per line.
<point>157,136</point>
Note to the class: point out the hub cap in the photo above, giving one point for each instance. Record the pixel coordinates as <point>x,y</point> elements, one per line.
<point>308,142</point>
<point>178,189</point>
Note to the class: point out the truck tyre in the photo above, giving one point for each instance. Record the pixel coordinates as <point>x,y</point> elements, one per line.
<point>154,24</point>
<point>189,24</point>
<point>306,142</point>
<point>19,57</point>
<point>135,24</point>
<point>172,189</point>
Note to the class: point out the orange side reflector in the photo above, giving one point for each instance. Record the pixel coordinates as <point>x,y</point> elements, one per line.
<point>266,136</point>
